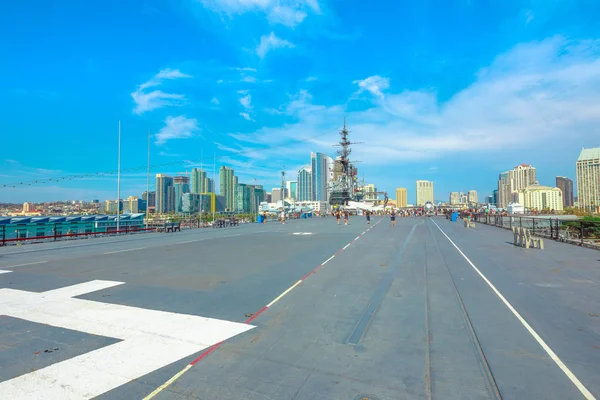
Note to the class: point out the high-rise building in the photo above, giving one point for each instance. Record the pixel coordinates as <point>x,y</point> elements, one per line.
<point>369,192</point>
<point>227,181</point>
<point>276,195</point>
<point>199,181</point>
<point>337,168</point>
<point>242,202</point>
<point>165,194</point>
<point>134,205</point>
<point>472,197</point>
<point>321,164</point>
<point>305,184</point>
<point>180,186</point>
<point>424,192</point>
<point>401,197</point>
<point>292,189</point>
<point>495,197</point>
<point>150,200</point>
<point>566,186</point>
<point>588,179</point>
<point>28,207</point>
<point>454,198</point>
<point>514,180</point>
<point>537,197</point>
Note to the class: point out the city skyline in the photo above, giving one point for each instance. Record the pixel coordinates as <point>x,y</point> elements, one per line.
<point>261,90</point>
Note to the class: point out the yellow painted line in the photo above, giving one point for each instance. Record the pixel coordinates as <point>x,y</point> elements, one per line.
<point>169,382</point>
<point>586,393</point>
<point>284,293</point>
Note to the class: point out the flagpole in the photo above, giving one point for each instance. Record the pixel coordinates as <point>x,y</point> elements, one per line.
<point>148,182</point>
<point>215,184</point>
<point>119,180</point>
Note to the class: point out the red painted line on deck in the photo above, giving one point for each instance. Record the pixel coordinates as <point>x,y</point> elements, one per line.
<point>256,315</point>
<point>206,352</point>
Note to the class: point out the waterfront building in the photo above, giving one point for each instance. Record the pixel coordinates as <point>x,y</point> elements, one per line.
<point>424,192</point>
<point>588,179</point>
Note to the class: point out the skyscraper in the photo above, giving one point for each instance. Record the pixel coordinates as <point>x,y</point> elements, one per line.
<point>181,185</point>
<point>164,194</point>
<point>243,198</point>
<point>227,181</point>
<point>401,197</point>
<point>198,184</point>
<point>514,180</point>
<point>305,184</point>
<point>454,198</point>
<point>472,197</point>
<point>588,178</point>
<point>566,187</point>
<point>321,174</point>
<point>424,192</point>
<point>292,189</point>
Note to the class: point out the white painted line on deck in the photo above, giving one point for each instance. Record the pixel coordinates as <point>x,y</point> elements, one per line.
<point>4,272</point>
<point>191,241</point>
<point>586,393</point>
<point>346,246</point>
<point>329,259</point>
<point>23,265</point>
<point>149,340</point>
<point>356,238</point>
<point>284,293</point>
<point>122,251</point>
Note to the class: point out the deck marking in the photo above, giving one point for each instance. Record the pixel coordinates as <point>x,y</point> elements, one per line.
<point>586,393</point>
<point>346,246</point>
<point>123,251</point>
<point>284,293</point>
<point>23,265</point>
<point>149,340</point>
<point>4,272</point>
<point>329,259</point>
<point>214,347</point>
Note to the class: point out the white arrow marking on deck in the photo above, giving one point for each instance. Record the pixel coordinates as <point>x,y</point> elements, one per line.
<point>150,340</point>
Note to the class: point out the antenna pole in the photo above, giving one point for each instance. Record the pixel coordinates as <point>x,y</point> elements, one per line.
<point>148,182</point>
<point>119,180</point>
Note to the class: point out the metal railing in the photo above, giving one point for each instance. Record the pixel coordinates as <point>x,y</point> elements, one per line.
<point>55,236</point>
<point>580,231</point>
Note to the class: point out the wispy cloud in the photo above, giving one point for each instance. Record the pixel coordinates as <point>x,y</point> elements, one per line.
<point>271,42</point>
<point>179,127</point>
<point>246,116</point>
<point>147,101</point>
<point>215,101</point>
<point>374,84</point>
<point>246,102</point>
<point>284,12</point>
<point>532,95</point>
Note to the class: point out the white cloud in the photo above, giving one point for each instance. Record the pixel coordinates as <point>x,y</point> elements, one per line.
<point>538,98</point>
<point>249,79</point>
<point>286,16</point>
<point>285,12</point>
<point>271,42</point>
<point>178,127</point>
<point>246,116</point>
<point>374,84</point>
<point>311,78</point>
<point>147,101</point>
<point>215,101</point>
<point>246,101</point>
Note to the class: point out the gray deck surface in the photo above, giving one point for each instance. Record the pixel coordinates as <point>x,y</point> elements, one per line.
<point>399,314</point>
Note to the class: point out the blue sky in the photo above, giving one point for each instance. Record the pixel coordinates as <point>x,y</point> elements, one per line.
<point>450,91</point>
